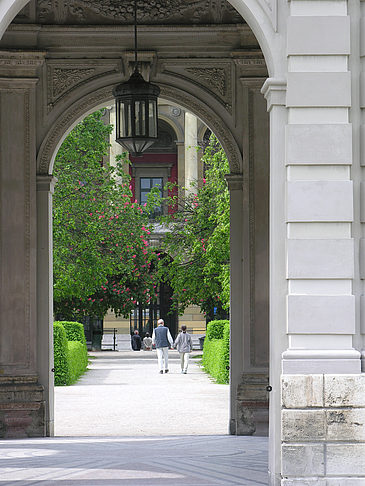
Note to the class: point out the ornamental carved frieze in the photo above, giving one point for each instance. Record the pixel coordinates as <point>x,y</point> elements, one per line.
<point>64,78</point>
<point>148,12</point>
<point>215,77</point>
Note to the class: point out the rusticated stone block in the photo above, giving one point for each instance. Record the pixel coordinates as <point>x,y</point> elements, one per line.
<point>252,405</point>
<point>22,408</point>
<point>303,425</point>
<point>345,460</point>
<point>302,391</point>
<point>303,482</point>
<point>345,481</point>
<point>346,424</point>
<point>302,460</point>
<point>344,391</point>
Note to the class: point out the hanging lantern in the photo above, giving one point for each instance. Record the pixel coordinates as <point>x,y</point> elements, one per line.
<point>136,114</point>
<point>136,108</point>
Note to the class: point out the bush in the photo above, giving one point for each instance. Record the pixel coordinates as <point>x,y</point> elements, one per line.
<point>76,358</point>
<point>216,351</point>
<point>70,355</point>
<point>225,355</point>
<point>75,332</point>
<point>61,361</point>
<point>215,329</point>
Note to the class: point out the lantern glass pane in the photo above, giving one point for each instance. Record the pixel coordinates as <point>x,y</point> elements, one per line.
<point>120,120</point>
<point>128,119</point>
<point>152,118</point>
<point>139,118</point>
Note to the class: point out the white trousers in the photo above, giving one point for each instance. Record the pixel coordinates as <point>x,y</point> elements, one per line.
<point>163,358</point>
<point>184,360</point>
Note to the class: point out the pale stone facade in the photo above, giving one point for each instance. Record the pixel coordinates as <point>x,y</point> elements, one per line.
<point>313,82</point>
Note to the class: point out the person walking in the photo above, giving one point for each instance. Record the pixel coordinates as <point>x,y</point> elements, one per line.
<point>147,342</point>
<point>161,338</point>
<point>184,345</point>
<point>136,341</point>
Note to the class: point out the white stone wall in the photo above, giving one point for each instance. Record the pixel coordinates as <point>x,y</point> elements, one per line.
<point>321,317</point>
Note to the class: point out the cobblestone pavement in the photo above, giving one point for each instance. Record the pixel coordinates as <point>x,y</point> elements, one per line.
<point>125,424</point>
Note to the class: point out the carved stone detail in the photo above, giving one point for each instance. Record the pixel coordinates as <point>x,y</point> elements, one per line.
<point>65,78</point>
<point>148,12</point>
<point>62,79</point>
<point>20,64</point>
<point>214,77</point>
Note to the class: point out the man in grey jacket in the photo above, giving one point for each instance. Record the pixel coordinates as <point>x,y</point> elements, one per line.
<point>184,345</point>
<point>161,338</point>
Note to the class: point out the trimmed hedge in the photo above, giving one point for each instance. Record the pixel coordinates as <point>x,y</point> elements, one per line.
<point>76,361</point>
<point>61,361</point>
<point>75,332</point>
<point>215,329</point>
<point>70,356</point>
<point>216,351</point>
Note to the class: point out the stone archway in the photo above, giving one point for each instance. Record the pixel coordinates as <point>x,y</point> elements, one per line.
<point>61,108</point>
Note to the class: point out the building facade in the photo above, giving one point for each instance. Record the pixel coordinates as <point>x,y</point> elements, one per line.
<point>174,159</point>
<point>281,84</point>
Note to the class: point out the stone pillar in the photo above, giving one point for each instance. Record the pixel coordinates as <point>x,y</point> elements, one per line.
<point>274,91</point>
<point>320,265</point>
<point>191,153</point>
<point>320,442</point>
<point>21,395</point>
<point>181,168</point>
<point>361,170</point>
<point>252,397</point>
<point>235,184</point>
<point>45,188</point>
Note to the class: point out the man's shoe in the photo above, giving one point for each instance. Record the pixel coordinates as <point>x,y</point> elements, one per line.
<point>161,372</point>
<point>166,371</point>
<point>184,372</point>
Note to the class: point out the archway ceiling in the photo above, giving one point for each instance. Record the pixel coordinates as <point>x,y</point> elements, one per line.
<point>116,12</point>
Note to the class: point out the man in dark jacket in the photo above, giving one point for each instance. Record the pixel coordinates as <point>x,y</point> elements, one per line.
<point>162,339</point>
<point>136,341</point>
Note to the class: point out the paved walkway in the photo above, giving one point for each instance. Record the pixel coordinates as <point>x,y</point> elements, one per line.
<point>123,394</point>
<point>125,424</point>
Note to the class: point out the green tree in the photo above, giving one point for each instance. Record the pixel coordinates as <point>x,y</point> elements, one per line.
<point>102,257</point>
<point>197,244</point>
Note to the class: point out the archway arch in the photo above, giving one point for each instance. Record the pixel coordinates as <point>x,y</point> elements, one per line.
<point>103,96</point>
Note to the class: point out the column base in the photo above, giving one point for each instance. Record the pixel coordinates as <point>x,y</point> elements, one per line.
<point>22,407</point>
<point>252,405</point>
<point>337,361</point>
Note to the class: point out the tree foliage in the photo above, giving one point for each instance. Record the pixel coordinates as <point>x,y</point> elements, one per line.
<point>102,257</point>
<point>197,244</point>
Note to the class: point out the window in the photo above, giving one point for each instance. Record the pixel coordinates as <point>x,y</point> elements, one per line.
<point>146,186</point>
